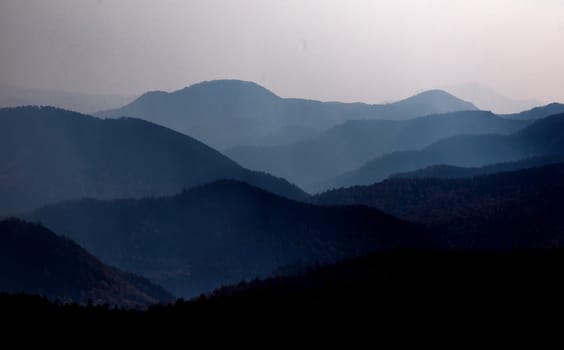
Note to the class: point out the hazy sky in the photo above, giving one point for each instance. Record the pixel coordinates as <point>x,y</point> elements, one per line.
<point>350,50</point>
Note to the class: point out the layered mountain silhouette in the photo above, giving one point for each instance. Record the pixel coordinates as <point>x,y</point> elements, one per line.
<point>486,98</point>
<point>50,155</point>
<point>349,145</point>
<point>226,113</point>
<point>544,138</point>
<point>222,233</point>
<point>538,112</point>
<point>453,172</point>
<point>509,210</point>
<point>37,261</point>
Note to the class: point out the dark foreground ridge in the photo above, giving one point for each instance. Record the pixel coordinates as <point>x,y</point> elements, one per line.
<point>397,298</point>
<point>35,260</point>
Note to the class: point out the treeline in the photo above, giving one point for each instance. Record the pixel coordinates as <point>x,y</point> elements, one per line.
<point>401,297</point>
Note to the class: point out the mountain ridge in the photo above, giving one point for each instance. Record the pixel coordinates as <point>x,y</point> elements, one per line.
<point>35,260</point>
<point>543,138</point>
<point>84,156</point>
<point>508,210</point>
<point>538,112</point>
<point>349,145</point>
<point>242,112</point>
<point>453,172</point>
<point>222,233</point>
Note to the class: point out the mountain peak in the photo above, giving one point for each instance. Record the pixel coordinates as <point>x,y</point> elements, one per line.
<point>228,113</point>
<point>227,86</point>
<point>435,96</point>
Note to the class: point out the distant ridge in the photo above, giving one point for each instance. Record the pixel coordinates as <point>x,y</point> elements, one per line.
<point>349,145</point>
<point>441,100</point>
<point>486,98</point>
<point>226,113</point>
<point>453,172</point>
<point>538,112</point>
<point>543,138</point>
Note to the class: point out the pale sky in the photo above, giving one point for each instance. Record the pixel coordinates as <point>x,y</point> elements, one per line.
<point>348,50</point>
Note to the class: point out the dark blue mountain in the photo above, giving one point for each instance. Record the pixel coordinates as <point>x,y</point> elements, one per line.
<point>544,138</point>
<point>34,260</point>
<point>453,172</point>
<point>509,210</point>
<point>50,155</point>
<point>223,233</point>
<point>349,145</point>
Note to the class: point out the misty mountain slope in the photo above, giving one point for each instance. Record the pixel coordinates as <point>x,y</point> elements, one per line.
<point>222,233</point>
<point>453,172</point>
<point>48,155</point>
<point>37,261</point>
<point>538,112</point>
<point>486,98</point>
<point>544,138</point>
<point>227,113</point>
<point>520,209</point>
<point>349,145</point>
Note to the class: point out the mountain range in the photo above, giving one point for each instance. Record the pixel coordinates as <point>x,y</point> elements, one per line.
<point>223,233</point>
<point>35,260</point>
<point>434,174</point>
<point>227,113</point>
<point>349,145</point>
<point>538,112</point>
<point>49,155</point>
<point>543,138</point>
<point>453,172</point>
<point>508,210</point>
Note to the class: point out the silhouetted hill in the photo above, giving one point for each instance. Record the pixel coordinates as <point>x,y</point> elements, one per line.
<point>222,233</point>
<point>431,102</point>
<point>544,138</point>
<point>453,172</point>
<point>393,299</point>
<point>349,145</point>
<point>520,209</point>
<point>50,155</point>
<point>35,260</point>
<point>226,113</point>
<point>538,112</point>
